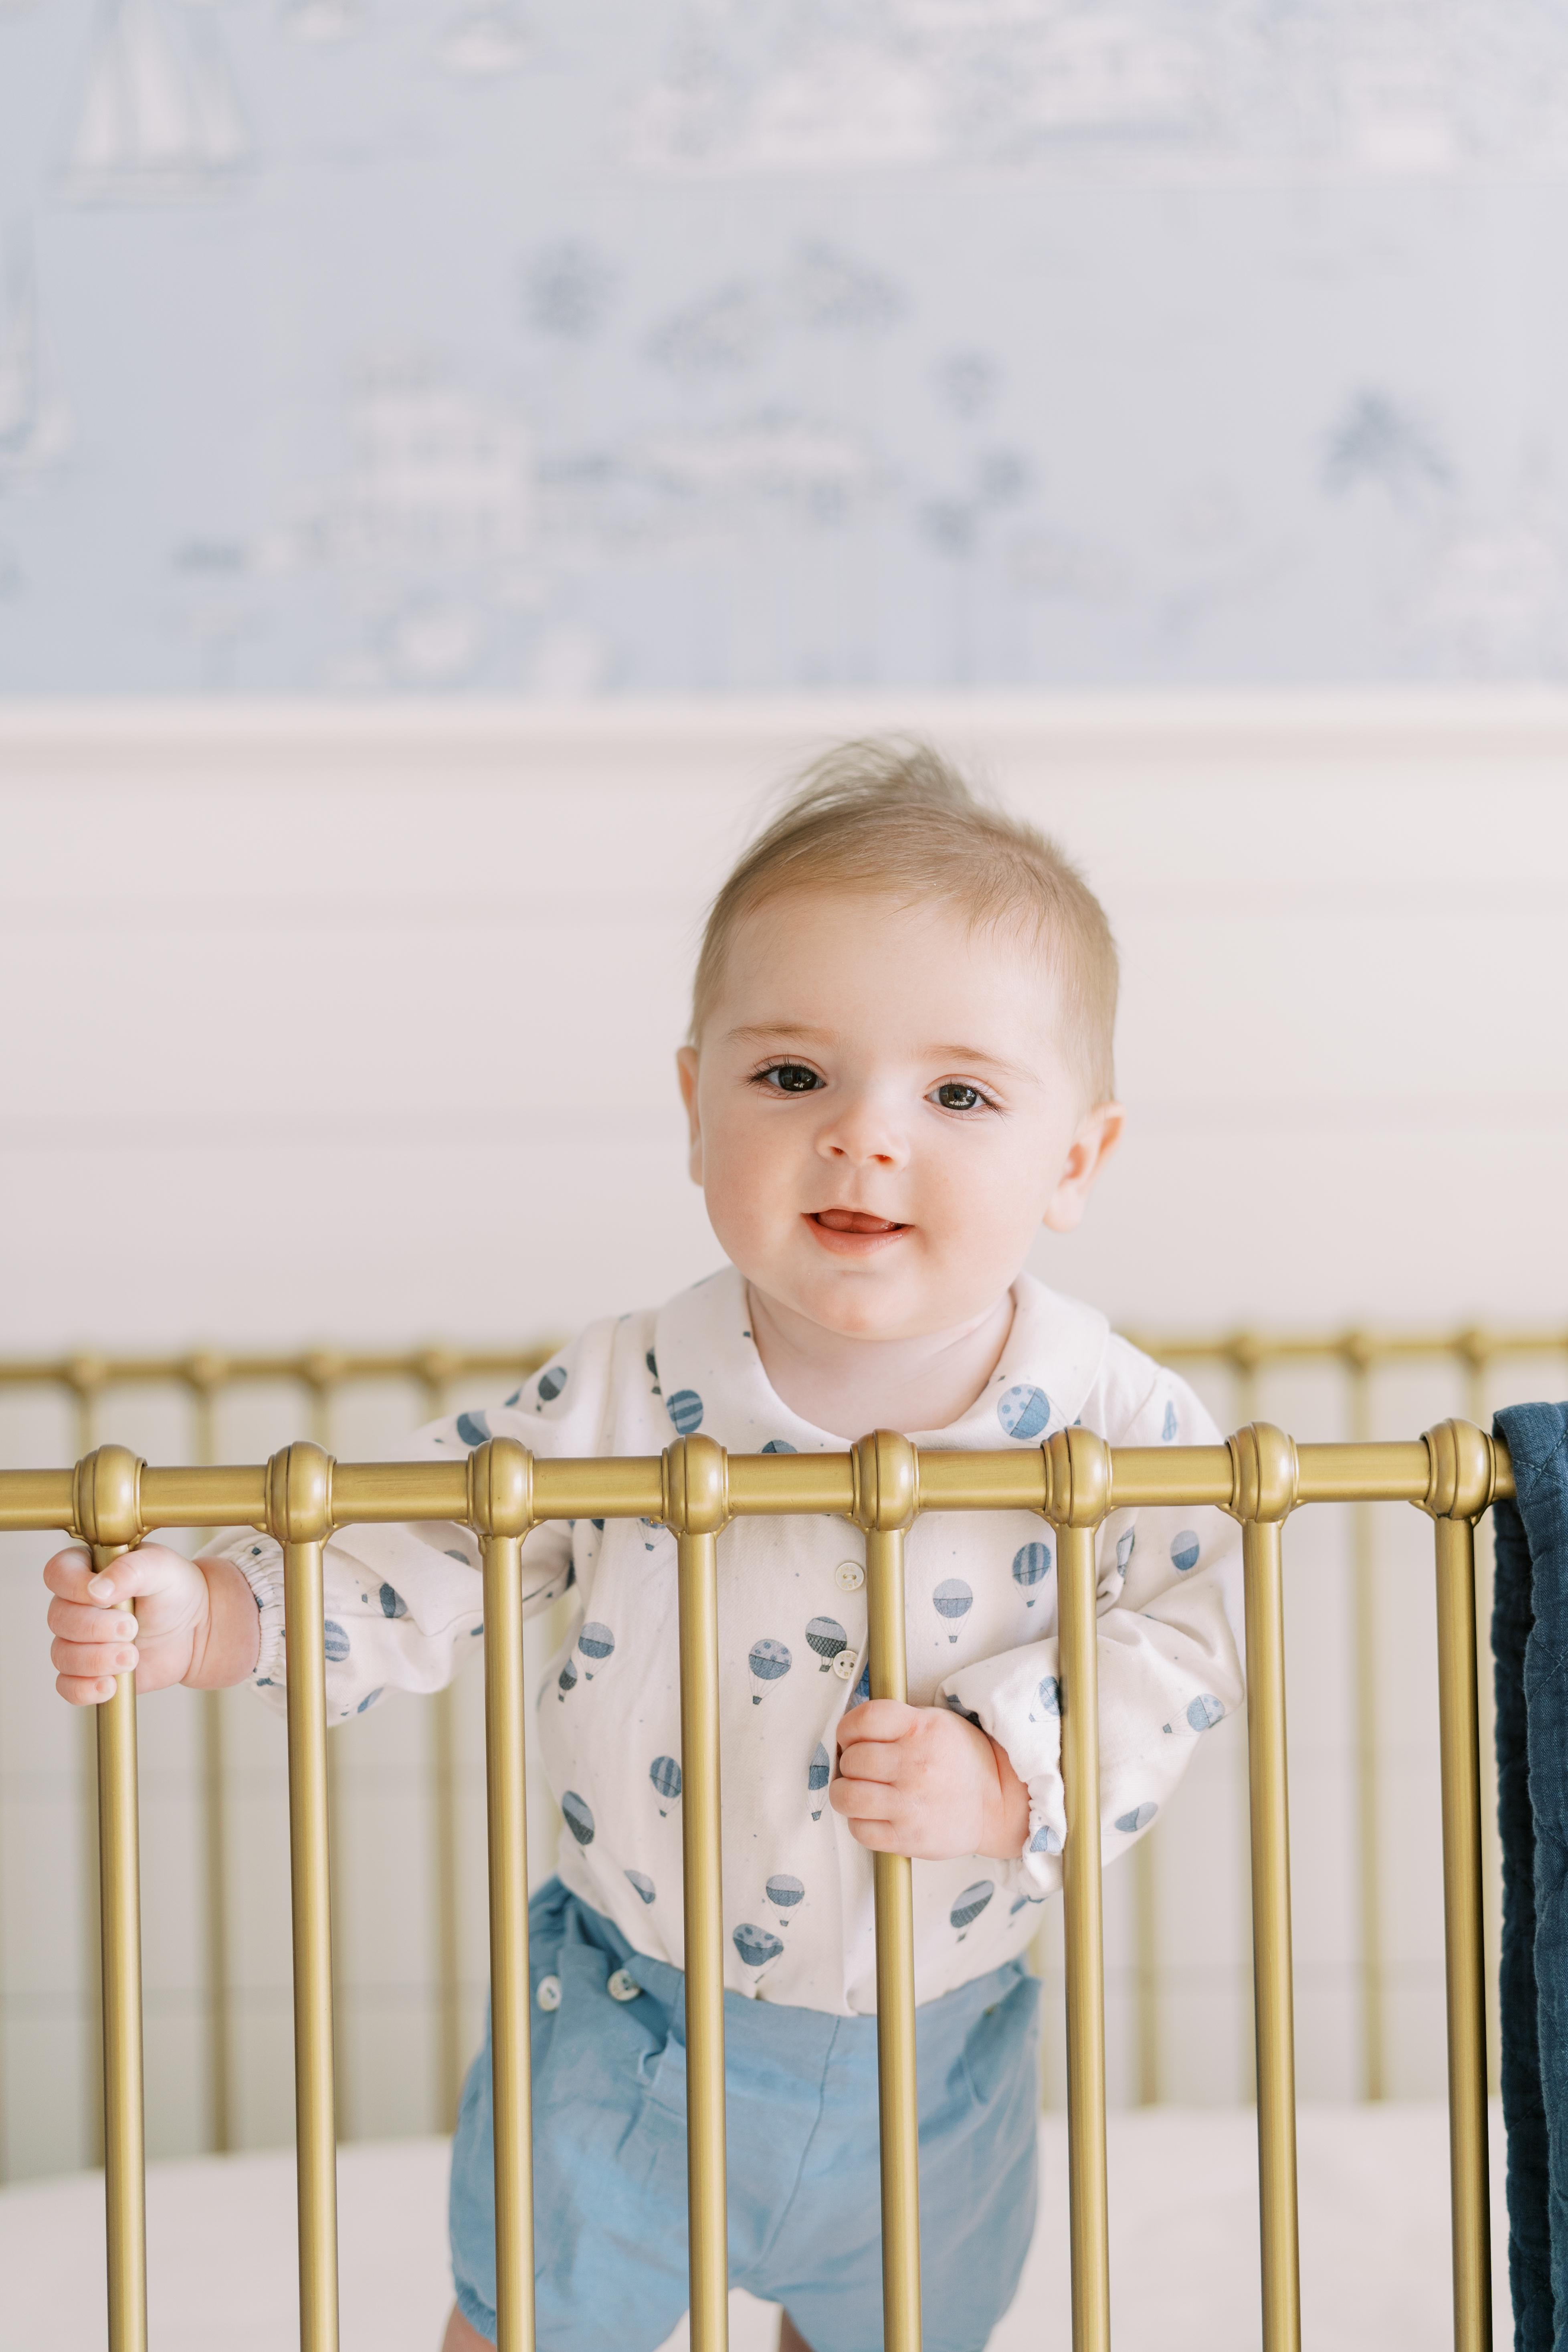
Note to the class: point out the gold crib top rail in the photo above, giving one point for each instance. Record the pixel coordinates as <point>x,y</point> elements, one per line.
<point>361,1493</point>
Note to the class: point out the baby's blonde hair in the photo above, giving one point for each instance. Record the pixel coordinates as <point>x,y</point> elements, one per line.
<point>894,815</point>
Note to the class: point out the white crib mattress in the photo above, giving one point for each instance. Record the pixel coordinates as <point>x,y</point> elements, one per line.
<point>1374,2240</point>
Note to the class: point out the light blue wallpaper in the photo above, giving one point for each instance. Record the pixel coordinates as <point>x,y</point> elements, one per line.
<point>624,346</point>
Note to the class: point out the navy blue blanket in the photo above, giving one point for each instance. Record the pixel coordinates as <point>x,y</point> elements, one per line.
<point>1529,1651</point>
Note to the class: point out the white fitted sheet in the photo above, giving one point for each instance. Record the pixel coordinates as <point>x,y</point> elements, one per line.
<point>1374,2236</point>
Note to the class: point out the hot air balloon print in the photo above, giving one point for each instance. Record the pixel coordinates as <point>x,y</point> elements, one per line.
<point>1046,1840</point>
<point>1047,1697</point>
<point>819,1773</point>
<point>1023,1412</point>
<point>1138,1819</point>
<point>552,1380</point>
<point>665,1774</point>
<point>1205,1712</point>
<point>685,1409</point>
<point>566,1680</point>
<point>967,1907</point>
<point>952,1599</point>
<point>1184,1550</point>
<point>756,1946</point>
<point>596,1642</point>
<point>393,1604</point>
<point>825,1637</point>
<point>784,1892</point>
<point>335,1643</point>
<point>473,1428</point>
<point>578,1819</point>
<point>642,1883</point>
<point>1031,1566</point>
<point>769,1662</point>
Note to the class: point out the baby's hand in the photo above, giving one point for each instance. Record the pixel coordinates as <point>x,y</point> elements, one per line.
<point>924,1782</point>
<point>177,1635</point>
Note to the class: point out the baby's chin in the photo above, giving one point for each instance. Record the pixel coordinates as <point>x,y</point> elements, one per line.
<point>865,1302</point>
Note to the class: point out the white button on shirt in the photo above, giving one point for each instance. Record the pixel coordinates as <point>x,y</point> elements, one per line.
<point>403,1609</point>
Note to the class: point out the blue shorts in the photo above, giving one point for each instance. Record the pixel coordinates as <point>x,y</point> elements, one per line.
<point>609,2137</point>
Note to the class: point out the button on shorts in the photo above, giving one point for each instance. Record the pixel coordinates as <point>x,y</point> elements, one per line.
<point>609,2127</point>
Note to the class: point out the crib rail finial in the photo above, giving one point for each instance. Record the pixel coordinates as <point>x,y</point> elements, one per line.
<point>1464,1473</point>
<point>300,1493</point>
<point>1265,1475</point>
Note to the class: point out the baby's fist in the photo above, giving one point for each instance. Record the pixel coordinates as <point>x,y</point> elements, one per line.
<point>96,1637</point>
<point>924,1782</point>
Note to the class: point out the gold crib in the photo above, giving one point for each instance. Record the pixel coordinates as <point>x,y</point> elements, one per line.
<point>111,1500</point>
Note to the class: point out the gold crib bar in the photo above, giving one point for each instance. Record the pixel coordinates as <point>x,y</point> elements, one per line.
<point>1271,1964</point>
<point>703,1900</point>
<point>898,2089</point>
<point>315,2136</point>
<point>1458,1717</point>
<point>507,1820</point>
<point>120,1915</point>
<point>1084,1935</point>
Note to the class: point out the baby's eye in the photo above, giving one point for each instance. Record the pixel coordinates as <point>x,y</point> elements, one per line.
<point>954,1094</point>
<point>790,1078</point>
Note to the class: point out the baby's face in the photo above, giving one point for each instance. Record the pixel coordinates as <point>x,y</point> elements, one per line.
<point>882,1116</point>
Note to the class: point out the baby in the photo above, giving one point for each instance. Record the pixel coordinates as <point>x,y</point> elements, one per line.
<point>899,1068</point>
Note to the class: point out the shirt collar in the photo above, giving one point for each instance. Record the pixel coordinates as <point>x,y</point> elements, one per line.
<point>711,1377</point>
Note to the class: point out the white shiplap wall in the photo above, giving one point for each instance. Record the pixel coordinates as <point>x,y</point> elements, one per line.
<point>357,1024</point>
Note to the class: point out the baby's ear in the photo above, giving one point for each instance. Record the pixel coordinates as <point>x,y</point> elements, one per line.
<point>1099,1133</point>
<point>685,1072</point>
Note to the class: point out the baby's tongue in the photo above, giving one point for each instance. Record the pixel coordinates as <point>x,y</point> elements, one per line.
<point>853,1221</point>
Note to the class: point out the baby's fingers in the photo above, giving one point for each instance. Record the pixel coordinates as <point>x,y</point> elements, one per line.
<point>151,1568</point>
<point>91,1661</point>
<point>872,1759</point>
<point>72,1623</point>
<point>863,1804</point>
<point>84,1690</point>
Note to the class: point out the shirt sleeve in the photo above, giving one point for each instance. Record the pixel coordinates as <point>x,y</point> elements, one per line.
<point>1171,1650</point>
<point>404,1604</point>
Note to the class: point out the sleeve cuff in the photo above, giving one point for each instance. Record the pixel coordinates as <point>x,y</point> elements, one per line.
<point>1017,1702</point>
<point>260,1562</point>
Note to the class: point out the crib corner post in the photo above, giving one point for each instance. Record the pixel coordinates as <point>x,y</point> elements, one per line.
<point>107,1513</point>
<point>1463,1481</point>
<point>1077,1479</point>
<point>300,1517</point>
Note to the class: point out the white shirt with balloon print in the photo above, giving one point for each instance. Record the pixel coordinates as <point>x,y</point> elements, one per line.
<point>403,1606</point>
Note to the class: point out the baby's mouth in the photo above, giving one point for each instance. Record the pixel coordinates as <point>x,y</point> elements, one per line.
<point>854,1234</point>
<point>855,1221</point>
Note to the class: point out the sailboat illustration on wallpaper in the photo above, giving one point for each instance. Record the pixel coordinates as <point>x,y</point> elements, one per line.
<point>159,114</point>
<point>34,423</point>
